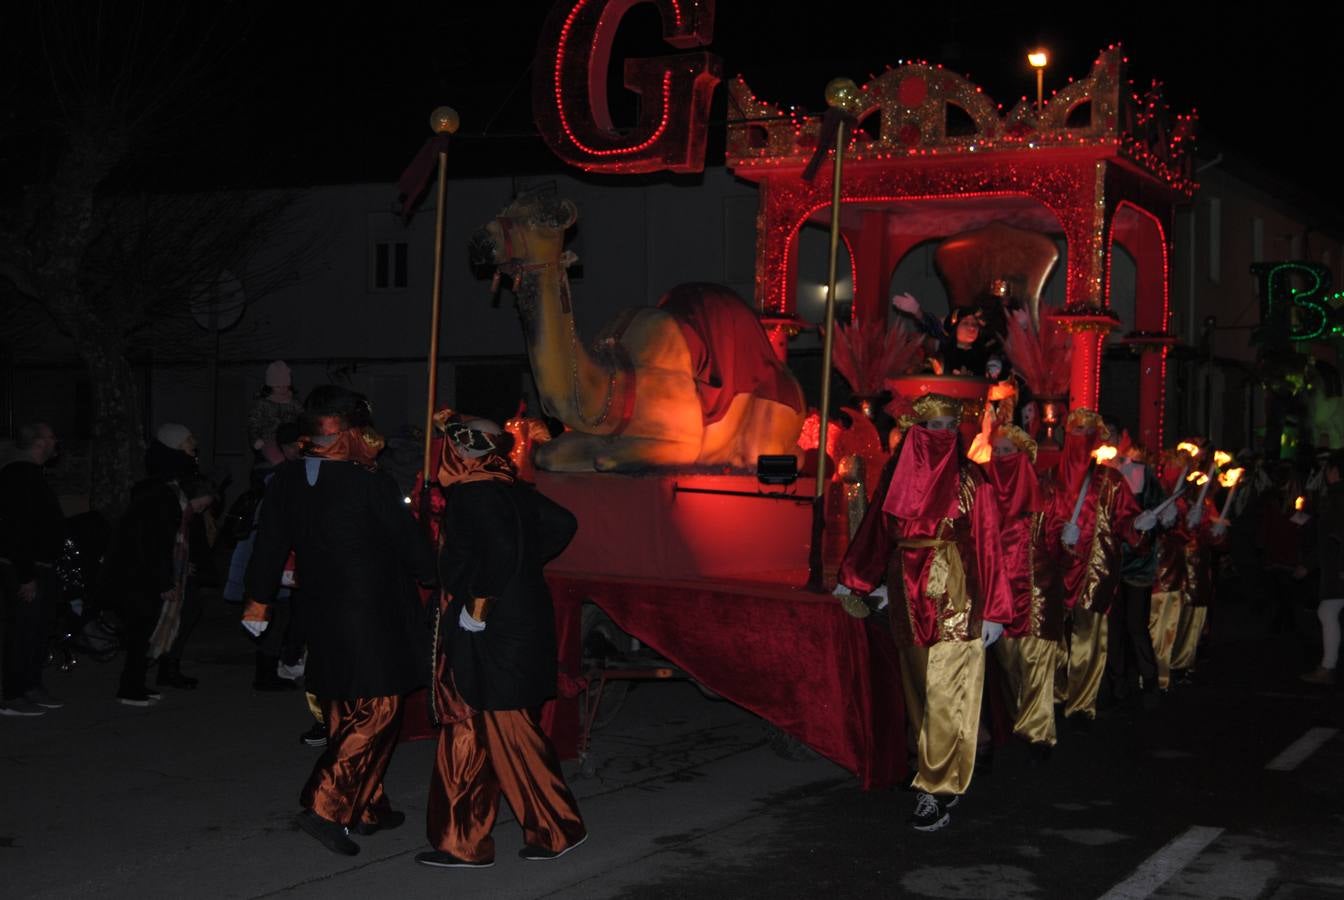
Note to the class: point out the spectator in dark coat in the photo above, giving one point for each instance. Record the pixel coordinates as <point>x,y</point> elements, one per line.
<point>148,574</point>
<point>1329,559</point>
<point>31,537</point>
<point>358,554</point>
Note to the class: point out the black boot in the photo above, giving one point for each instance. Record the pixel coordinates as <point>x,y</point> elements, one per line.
<point>266,678</point>
<point>170,675</point>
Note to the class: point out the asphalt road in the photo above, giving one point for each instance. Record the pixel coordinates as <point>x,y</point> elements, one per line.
<point>1233,788</point>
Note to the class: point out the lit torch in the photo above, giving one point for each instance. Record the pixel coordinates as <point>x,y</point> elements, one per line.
<point>1100,455</point>
<point>1220,459</point>
<point>1230,479</point>
<point>1300,504</point>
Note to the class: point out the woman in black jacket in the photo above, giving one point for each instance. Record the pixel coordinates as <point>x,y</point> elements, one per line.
<point>495,660</point>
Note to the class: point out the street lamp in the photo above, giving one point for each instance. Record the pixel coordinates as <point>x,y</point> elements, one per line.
<point>1039,59</point>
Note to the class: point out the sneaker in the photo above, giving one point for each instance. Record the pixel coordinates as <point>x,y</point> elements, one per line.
<point>39,696</point>
<point>442,859</point>
<point>929,814</point>
<point>21,706</point>
<point>531,851</point>
<point>950,800</point>
<point>1322,675</point>
<point>134,698</point>
<point>315,736</point>
<point>332,835</point>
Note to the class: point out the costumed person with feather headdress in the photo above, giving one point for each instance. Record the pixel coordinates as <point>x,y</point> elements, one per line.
<point>1095,526</point>
<point>934,540</point>
<point>495,659</point>
<point>1031,555</point>
<point>358,554</point>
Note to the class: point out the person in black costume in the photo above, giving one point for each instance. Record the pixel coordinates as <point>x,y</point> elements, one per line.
<point>495,659</point>
<point>358,554</point>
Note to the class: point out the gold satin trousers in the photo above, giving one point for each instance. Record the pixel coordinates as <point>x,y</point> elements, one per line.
<point>1188,632</point>
<point>489,754</point>
<point>1163,621</point>
<point>1086,662</point>
<point>1029,664</point>
<point>943,684</point>
<point>347,783</point>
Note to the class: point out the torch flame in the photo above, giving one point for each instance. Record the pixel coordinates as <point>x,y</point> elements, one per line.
<point>1104,453</point>
<point>1221,459</point>
<point>1230,477</point>
<point>1299,503</point>
<point>1199,479</point>
<point>1188,448</point>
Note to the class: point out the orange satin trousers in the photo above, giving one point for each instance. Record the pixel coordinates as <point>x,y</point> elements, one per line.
<point>347,783</point>
<point>492,753</point>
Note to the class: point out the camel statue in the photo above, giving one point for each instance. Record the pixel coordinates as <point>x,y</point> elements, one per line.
<point>659,388</point>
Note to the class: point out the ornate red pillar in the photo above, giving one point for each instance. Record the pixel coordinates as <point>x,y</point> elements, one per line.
<point>1085,314</point>
<point>872,266</point>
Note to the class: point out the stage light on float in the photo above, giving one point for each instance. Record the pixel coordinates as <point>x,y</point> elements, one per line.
<point>780,469</point>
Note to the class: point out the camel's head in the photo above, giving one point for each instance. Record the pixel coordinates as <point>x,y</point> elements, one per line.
<point>531,229</point>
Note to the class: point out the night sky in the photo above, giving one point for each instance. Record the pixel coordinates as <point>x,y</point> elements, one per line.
<point>287,96</point>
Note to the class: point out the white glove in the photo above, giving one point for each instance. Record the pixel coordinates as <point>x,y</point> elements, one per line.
<point>841,591</point>
<point>1070,535</point>
<point>1168,515</point>
<point>1194,517</point>
<point>991,632</point>
<point>906,304</point>
<point>1145,521</point>
<point>1218,529</point>
<point>467,623</point>
<point>254,627</point>
<point>881,595</point>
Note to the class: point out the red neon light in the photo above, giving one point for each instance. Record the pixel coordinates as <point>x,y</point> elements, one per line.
<point>573,53</point>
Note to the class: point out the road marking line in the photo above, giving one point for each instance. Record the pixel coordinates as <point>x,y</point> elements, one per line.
<point>1157,869</point>
<point>1300,749</point>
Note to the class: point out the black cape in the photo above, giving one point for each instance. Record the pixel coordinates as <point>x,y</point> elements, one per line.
<point>497,538</point>
<point>357,555</point>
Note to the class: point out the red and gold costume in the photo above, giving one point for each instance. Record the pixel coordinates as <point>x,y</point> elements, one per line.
<point>1031,559</point>
<point>1091,570</point>
<point>934,540</point>
<point>1197,588</point>
<point>1168,585</point>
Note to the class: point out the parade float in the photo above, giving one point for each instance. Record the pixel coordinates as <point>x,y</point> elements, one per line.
<point>681,425</point>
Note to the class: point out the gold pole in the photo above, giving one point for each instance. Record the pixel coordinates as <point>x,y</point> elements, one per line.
<point>435,303</point>
<point>443,120</point>
<point>828,339</point>
<point>1040,90</point>
<point>841,94</point>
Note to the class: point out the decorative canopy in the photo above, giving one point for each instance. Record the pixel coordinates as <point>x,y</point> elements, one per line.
<point>926,110</point>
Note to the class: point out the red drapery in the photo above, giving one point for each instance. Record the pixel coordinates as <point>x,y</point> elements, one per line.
<point>793,658</point>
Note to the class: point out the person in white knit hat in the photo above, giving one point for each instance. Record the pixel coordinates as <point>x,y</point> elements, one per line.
<point>275,406</point>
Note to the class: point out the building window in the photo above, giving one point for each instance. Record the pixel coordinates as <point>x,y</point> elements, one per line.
<point>388,266</point>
